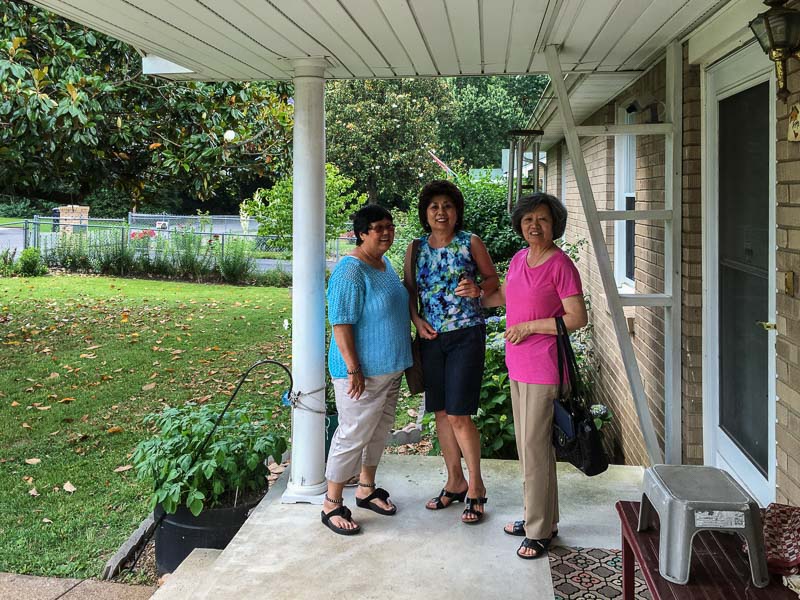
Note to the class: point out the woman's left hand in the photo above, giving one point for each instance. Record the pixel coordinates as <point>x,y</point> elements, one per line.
<point>519,333</point>
<point>468,289</point>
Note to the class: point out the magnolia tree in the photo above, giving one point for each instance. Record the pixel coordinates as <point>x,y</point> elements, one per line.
<point>272,208</point>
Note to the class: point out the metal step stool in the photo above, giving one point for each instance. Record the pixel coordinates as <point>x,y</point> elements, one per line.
<point>689,499</point>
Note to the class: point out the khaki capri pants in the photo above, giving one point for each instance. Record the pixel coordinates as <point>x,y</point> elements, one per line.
<point>533,426</point>
<point>364,425</point>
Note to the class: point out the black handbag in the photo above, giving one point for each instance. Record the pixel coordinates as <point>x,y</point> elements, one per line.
<point>575,436</point>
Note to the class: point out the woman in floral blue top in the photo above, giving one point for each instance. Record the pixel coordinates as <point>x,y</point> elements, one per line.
<point>442,271</point>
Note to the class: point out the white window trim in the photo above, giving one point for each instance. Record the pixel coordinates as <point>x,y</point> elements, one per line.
<point>624,283</point>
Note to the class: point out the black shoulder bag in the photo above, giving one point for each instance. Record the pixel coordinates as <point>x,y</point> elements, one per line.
<point>575,436</point>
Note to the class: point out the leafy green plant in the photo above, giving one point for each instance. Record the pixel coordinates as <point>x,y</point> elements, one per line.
<point>30,263</point>
<point>192,254</point>
<point>272,208</point>
<point>7,256</point>
<point>486,215</point>
<point>231,465</point>
<point>236,263</point>
<point>110,254</point>
<point>70,251</point>
<point>274,278</point>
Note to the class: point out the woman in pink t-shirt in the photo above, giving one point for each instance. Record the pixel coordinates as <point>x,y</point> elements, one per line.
<point>542,283</point>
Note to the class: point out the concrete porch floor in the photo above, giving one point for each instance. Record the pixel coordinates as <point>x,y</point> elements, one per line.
<point>284,551</point>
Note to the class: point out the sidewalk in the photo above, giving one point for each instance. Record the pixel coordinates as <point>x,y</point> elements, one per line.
<point>26,587</point>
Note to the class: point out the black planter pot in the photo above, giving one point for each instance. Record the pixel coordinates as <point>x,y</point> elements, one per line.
<point>179,534</point>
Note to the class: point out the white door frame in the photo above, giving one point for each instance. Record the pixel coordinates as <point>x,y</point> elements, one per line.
<point>743,69</point>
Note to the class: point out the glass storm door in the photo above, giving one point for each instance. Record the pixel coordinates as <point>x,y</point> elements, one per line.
<point>741,282</point>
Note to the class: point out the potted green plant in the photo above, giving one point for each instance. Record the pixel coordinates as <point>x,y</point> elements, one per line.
<point>204,488</point>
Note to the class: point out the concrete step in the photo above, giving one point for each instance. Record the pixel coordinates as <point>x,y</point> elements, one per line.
<point>184,582</point>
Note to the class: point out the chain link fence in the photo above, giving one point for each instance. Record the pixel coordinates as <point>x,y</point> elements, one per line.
<point>201,223</point>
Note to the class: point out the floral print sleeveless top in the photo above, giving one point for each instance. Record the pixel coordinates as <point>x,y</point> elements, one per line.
<point>438,272</point>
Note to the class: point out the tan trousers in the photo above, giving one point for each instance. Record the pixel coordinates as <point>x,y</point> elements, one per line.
<point>364,425</point>
<point>533,426</point>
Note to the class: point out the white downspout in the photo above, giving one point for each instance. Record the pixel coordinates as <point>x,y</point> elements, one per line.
<point>307,481</point>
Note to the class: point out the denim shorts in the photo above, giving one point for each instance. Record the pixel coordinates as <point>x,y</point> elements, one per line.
<point>453,368</point>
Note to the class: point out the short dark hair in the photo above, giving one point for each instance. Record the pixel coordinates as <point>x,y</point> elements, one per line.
<point>366,216</point>
<point>530,203</point>
<point>440,187</point>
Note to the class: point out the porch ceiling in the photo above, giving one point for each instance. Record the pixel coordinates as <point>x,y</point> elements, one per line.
<point>256,39</point>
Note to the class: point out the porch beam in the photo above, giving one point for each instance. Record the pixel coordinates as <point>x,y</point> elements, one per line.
<point>603,260</point>
<point>673,176</point>
<point>634,215</point>
<point>628,129</point>
<point>307,480</point>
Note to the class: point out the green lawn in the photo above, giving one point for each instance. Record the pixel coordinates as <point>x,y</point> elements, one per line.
<point>83,358</point>
<point>5,220</point>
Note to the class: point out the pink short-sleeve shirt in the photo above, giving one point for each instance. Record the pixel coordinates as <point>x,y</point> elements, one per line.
<point>536,293</point>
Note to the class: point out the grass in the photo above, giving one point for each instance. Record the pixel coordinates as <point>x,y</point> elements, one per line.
<point>79,359</point>
<point>5,220</point>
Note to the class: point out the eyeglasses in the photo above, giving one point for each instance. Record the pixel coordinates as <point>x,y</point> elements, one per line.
<point>381,229</point>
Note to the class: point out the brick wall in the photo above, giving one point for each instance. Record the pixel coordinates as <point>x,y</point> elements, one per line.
<point>691,270</point>
<point>787,431</point>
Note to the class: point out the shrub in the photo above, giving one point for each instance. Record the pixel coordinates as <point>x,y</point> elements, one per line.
<point>30,263</point>
<point>236,263</point>
<point>232,464</point>
<point>486,215</point>
<point>273,278</point>
<point>7,256</point>
<point>192,254</point>
<point>110,254</point>
<point>70,252</point>
<point>16,208</point>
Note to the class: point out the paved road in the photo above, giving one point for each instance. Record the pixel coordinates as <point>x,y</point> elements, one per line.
<point>11,237</point>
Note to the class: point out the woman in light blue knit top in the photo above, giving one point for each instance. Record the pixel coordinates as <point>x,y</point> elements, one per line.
<point>370,349</point>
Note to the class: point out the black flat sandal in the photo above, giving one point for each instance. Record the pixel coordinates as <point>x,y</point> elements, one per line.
<point>340,511</point>
<point>470,510</point>
<point>518,529</point>
<point>453,496</point>
<point>378,494</point>
<point>538,546</point>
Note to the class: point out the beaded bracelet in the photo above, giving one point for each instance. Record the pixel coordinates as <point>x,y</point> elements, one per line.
<point>354,371</point>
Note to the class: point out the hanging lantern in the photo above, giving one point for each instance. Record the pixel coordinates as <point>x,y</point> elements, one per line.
<point>778,32</point>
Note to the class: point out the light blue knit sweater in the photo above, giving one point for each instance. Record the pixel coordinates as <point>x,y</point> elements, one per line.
<point>375,303</point>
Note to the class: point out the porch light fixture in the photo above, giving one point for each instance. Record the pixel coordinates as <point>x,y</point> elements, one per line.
<point>778,32</point>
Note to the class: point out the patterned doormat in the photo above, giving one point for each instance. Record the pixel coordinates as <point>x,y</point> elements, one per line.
<point>590,574</point>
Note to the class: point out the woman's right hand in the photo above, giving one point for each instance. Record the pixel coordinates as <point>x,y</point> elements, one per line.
<point>425,331</point>
<point>357,384</point>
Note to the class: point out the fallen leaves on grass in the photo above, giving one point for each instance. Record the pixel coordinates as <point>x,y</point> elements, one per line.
<point>123,468</point>
<point>148,386</point>
<point>115,429</point>
<point>32,461</point>
<point>33,492</point>
<point>69,488</point>
<point>26,426</point>
<point>46,520</point>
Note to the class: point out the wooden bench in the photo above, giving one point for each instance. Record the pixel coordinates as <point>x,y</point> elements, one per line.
<point>719,571</point>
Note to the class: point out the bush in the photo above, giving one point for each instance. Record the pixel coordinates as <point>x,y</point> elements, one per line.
<point>273,278</point>
<point>30,263</point>
<point>71,252</point>
<point>233,463</point>
<point>192,255</point>
<point>236,264</point>
<point>16,208</point>
<point>486,215</point>
<point>7,256</point>
<point>110,254</point>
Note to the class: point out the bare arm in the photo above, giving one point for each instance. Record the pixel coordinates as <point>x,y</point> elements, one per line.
<point>574,317</point>
<point>424,329</point>
<point>346,342</point>
<point>496,298</point>
<point>489,279</point>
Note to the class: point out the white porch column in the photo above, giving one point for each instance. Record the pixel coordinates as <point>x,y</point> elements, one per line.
<point>307,480</point>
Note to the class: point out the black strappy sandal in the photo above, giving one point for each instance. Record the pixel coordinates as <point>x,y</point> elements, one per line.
<point>378,494</point>
<point>453,496</point>
<point>518,529</point>
<point>538,546</point>
<point>470,510</point>
<point>340,511</point>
